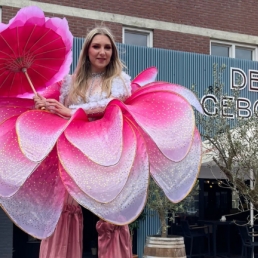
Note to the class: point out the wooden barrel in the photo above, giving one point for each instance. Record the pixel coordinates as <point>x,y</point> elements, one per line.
<point>164,247</point>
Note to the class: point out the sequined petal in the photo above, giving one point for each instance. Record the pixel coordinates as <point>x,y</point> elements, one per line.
<point>175,178</point>
<point>7,112</point>
<point>50,92</point>
<point>15,168</point>
<point>168,119</point>
<point>100,140</point>
<point>37,206</point>
<point>164,86</point>
<point>99,182</point>
<point>146,76</point>
<point>135,87</point>
<point>130,202</point>
<point>39,130</point>
<point>16,102</point>
<point>12,107</point>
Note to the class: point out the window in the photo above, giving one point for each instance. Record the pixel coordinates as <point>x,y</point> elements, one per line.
<point>137,37</point>
<point>233,50</point>
<point>220,50</point>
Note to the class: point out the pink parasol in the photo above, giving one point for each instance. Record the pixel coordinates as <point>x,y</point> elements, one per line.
<point>35,52</point>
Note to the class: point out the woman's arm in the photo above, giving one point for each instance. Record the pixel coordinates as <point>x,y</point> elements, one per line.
<point>58,108</point>
<point>54,106</point>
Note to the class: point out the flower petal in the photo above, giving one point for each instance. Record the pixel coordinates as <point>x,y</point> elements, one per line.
<point>164,86</point>
<point>50,92</point>
<point>135,87</point>
<point>99,182</point>
<point>12,107</point>
<point>146,76</point>
<point>127,206</point>
<point>100,140</point>
<point>15,168</point>
<point>16,102</point>
<point>175,178</point>
<point>37,206</point>
<point>39,130</point>
<point>168,119</point>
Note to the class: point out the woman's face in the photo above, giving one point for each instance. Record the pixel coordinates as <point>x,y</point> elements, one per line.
<point>100,52</point>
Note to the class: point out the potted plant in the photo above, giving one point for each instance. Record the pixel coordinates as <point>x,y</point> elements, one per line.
<point>157,201</point>
<point>134,226</point>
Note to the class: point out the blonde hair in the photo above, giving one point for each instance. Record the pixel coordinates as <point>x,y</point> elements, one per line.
<point>83,71</point>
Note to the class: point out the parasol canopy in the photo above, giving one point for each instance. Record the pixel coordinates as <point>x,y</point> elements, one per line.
<point>34,51</point>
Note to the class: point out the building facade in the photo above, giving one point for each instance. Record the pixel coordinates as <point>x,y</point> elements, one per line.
<point>223,28</point>
<point>193,26</point>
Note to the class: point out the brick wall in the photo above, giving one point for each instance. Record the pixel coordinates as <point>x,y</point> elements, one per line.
<point>78,26</point>
<point>6,236</point>
<point>231,15</point>
<point>235,16</point>
<point>181,41</point>
<point>161,38</point>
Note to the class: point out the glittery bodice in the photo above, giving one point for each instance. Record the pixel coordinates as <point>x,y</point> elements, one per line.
<point>97,100</point>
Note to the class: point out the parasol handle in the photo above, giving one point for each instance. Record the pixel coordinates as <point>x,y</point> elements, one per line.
<point>24,70</point>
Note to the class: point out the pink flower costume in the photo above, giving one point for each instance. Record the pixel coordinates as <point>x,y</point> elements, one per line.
<point>104,164</point>
<point>146,128</point>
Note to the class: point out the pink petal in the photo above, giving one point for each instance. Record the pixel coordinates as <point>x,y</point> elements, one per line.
<point>25,14</point>
<point>10,107</point>
<point>175,178</point>
<point>10,111</point>
<point>164,86</point>
<point>15,168</point>
<point>130,202</point>
<point>50,92</point>
<point>135,87</point>
<point>39,130</point>
<point>102,183</point>
<point>13,106</point>
<point>60,26</point>
<point>37,206</point>
<point>100,140</point>
<point>16,102</point>
<point>147,76</point>
<point>168,119</point>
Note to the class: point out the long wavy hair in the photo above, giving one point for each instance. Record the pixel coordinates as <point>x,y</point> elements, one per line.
<point>83,70</point>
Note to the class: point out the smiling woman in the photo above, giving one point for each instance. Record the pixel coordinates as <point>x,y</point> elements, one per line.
<point>100,52</point>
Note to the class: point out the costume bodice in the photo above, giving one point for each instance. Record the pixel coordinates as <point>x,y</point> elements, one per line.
<point>120,89</point>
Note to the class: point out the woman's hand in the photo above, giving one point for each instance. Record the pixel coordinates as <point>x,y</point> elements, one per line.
<point>56,107</point>
<point>40,101</point>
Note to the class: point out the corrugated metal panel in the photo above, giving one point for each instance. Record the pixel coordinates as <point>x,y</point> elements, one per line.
<point>176,67</point>
<point>77,45</point>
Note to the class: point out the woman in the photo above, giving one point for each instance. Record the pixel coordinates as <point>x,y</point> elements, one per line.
<point>98,79</point>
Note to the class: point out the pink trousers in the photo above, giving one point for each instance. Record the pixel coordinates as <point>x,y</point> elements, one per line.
<point>113,241</point>
<point>66,241</point>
